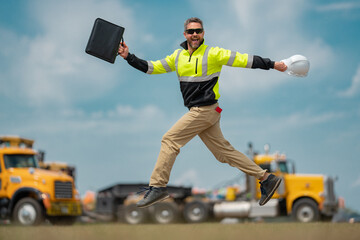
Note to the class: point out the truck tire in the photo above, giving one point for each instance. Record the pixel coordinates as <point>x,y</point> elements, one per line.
<point>131,214</point>
<point>62,220</point>
<point>165,213</point>
<point>196,212</point>
<point>305,210</point>
<point>28,212</point>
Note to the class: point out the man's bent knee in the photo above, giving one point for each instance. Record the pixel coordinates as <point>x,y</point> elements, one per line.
<point>169,144</point>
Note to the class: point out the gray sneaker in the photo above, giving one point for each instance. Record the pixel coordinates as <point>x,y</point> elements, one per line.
<point>268,188</point>
<point>152,196</point>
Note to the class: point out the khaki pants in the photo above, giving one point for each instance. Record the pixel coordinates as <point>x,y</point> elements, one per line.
<point>205,122</point>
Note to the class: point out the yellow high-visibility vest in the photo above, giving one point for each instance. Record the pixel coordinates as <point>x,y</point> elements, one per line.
<point>199,72</point>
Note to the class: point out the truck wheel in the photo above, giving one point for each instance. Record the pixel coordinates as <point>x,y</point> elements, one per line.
<point>305,210</point>
<point>196,212</point>
<point>28,212</point>
<point>62,220</point>
<point>131,214</point>
<point>165,213</point>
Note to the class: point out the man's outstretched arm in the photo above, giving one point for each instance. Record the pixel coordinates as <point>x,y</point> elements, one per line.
<point>134,61</point>
<point>266,63</point>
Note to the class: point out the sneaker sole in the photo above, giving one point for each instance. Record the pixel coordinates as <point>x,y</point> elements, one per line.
<point>159,200</point>
<point>271,193</point>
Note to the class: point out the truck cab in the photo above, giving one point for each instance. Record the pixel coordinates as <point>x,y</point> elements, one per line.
<point>29,194</point>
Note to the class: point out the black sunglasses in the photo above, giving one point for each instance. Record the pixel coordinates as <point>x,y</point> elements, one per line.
<point>196,30</point>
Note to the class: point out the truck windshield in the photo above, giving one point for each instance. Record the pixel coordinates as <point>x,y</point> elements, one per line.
<point>20,161</point>
<point>283,167</point>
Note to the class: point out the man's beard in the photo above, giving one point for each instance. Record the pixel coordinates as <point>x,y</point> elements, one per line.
<point>196,44</point>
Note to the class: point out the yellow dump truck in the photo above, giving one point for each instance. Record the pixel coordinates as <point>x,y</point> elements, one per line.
<point>305,197</point>
<point>29,194</point>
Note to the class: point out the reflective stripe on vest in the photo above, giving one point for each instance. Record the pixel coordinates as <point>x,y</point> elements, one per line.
<point>249,61</point>
<point>231,59</point>
<point>163,63</point>
<point>150,67</point>
<point>177,62</point>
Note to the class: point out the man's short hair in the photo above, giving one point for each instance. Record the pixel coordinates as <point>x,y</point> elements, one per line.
<point>193,19</point>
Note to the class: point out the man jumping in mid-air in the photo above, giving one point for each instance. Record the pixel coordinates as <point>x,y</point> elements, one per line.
<point>198,67</point>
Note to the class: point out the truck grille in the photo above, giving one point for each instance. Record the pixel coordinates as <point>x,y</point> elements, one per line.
<point>63,190</point>
<point>329,189</point>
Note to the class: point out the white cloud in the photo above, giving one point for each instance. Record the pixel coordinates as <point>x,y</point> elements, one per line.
<point>357,182</point>
<point>146,112</point>
<point>188,177</point>
<point>274,125</point>
<point>269,29</point>
<point>52,67</point>
<point>123,119</point>
<point>307,118</point>
<point>354,89</point>
<point>338,6</point>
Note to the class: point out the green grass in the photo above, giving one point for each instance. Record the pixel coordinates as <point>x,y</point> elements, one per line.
<point>206,231</point>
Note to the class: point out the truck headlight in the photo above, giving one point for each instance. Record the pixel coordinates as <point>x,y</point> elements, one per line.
<point>77,195</point>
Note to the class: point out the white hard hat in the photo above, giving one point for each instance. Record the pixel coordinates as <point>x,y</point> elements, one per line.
<point>297,65</point>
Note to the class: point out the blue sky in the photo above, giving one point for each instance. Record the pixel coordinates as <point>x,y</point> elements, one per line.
<point>108,120</point>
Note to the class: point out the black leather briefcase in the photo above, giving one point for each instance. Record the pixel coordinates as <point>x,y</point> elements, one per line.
<point>104,40</point>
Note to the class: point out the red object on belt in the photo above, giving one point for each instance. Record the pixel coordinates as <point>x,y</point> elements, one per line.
<point>219,110</point>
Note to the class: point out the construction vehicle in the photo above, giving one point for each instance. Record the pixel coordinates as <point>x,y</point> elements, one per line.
<point>117,203</point>
<point>56,166</point>
<point>30,195</point>
<point>306,198</point>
